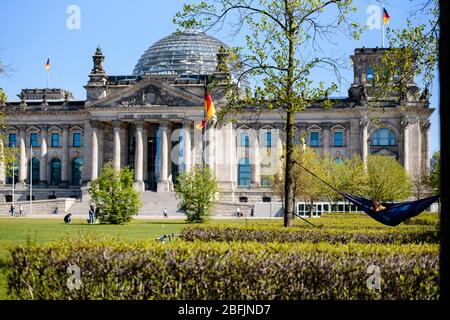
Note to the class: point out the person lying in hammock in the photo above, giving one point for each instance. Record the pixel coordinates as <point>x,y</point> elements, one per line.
<point>376,206</point>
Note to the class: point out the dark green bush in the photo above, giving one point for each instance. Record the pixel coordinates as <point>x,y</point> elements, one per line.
<point>212,270</point>
<point>267,233</point>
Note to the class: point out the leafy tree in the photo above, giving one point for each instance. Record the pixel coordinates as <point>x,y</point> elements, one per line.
<point>283,48</point>
<point>348,176</point>
<point>7,154</point>
<point>305,186</point>
<point>413,55</point>
<point>388,180</point>
<point>433,178</point>
<point>197,190</point>
<point>113,193</point>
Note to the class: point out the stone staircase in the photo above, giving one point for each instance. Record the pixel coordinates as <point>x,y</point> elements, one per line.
<point>153,204</point>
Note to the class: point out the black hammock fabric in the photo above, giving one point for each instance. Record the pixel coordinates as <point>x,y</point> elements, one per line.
<point>395,213</point>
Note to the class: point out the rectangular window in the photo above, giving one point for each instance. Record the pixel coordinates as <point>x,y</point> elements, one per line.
<point>12,140</point>
<point>338,139</point>
<point>268,139</point>
<point>245,140</point>
<point>76,139</point>
<point>55,140</point>
<point>34,142</point>
<point>314,139</point>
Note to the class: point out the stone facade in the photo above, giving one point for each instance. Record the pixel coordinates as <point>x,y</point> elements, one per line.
<point>149,122</point>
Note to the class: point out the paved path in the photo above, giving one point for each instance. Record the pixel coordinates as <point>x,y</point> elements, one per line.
<point>138,217</point>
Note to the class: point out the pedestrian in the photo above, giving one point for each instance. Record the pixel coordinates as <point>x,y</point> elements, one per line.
<point>11,210</point>
<point>91,214</point>
<point>165,213</point>
<point>252,212</point>
<point>20,210</point>
<point>238,212</point>
<point>68,218</point>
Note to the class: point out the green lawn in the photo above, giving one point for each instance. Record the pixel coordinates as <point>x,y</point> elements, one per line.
<point>16,231</point>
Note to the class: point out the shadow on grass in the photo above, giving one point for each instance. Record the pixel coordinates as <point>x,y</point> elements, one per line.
<point>166,222</point>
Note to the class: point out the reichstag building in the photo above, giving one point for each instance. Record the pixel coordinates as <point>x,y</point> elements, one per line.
<point>148,121</point>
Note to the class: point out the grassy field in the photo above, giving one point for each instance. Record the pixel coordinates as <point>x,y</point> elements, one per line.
<point>16,231</point>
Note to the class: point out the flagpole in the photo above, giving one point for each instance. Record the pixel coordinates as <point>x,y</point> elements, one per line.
<point>382,35</point>
<point>48,76</point>
<point>204,126</point>
<point>31,178</point>
<point>13,178</point>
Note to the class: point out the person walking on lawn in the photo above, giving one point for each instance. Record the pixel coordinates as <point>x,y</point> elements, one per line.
<point>91,214</point>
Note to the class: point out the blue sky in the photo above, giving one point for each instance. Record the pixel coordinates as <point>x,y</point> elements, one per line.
<point>32,31</point>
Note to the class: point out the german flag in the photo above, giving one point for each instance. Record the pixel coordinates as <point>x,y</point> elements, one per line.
<point>47,65</point>
<point>210,112</point>
<point>386,16</point>
<point>209,107</point>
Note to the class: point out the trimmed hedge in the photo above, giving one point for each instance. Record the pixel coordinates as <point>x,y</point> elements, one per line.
<point>196,270</point>
<point>267,233</point>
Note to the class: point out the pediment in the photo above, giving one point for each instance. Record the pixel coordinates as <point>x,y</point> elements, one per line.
<point>54,128</point>
<point>76,128</point>
<point>314,127</point>
<point>267,127</point>
<point>12,129</point>
<point>243,127</point>
<point>33,128</point>
<point>337,127</point>
<point>150,91</point>
<point>385,152</point>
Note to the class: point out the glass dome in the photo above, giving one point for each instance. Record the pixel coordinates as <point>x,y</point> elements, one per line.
<point>185,53</point>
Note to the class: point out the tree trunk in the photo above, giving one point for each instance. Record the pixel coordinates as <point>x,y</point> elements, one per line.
<point>288,178</point>
<point>444,53</point>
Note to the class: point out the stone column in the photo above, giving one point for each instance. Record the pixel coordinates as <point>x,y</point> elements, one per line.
<point>2,163</point>
<point>139,157</point>
<point>405,125</point>
<point>163,184</point>
<point>65,156</point>
<point>425,130</point>
<point>255,157</point>
<point>187,145</point>
<point>364,123</point>
<point>43,157</point>
<point>94,164</point>
<point>210,150</point>
<point>117,146</point>
<point>326,138</point>
<point>23,157</point>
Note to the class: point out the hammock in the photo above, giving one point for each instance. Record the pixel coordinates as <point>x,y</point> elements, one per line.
<point>394,214</point>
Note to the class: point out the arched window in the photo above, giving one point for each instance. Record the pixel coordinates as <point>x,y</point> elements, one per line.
<point>244,172</point>
<point>77,164</point>
<point>384,137</point>
<point>55,172</point>
<point>35,163</point>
